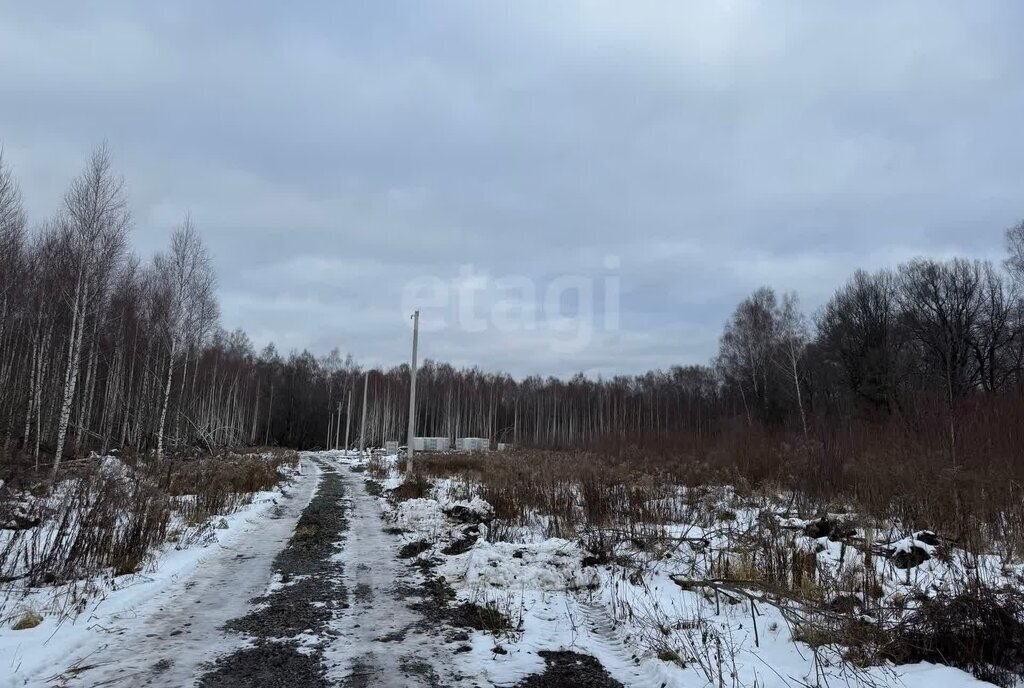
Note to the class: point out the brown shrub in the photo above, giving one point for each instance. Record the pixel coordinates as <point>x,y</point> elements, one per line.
<point>416,486</point>
<point>978,629</point>
<point>109,516</point>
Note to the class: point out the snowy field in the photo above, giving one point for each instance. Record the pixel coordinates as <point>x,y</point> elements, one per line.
<point>659,606</point>
<point>650,615</point>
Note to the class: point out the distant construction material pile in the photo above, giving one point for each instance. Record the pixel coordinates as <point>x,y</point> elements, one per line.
<point>472,444</point>
<point>432,444</point>
<point>444,444</point>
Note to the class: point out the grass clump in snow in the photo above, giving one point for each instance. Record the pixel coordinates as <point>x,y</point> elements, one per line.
<point>480,617</point>
<point>416,486</point>
<point>30,618</point>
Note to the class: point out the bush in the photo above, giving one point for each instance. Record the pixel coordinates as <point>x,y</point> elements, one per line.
<point>980,630</point>
<point>111,514</point>
<point>98,521</point>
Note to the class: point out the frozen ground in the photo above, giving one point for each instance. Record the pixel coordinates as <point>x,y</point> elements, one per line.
<point>164,624</point>
<point>381,640</point>
<point>626,621</point>
<point>396,579</point>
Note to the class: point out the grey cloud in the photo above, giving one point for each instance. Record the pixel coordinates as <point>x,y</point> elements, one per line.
<point>333,152</point>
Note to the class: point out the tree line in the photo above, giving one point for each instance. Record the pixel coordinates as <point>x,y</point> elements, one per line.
<point>896,342</point>
<point>101,350</point>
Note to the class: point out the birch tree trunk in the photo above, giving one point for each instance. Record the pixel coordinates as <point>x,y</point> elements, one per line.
<point>71,376</point>
<point>166,400</point>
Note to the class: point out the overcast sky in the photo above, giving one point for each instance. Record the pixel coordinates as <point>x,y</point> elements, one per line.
<point>345,160</point>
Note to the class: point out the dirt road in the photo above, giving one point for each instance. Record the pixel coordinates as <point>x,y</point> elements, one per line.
<point>318,595</point>
<point>383,642</point>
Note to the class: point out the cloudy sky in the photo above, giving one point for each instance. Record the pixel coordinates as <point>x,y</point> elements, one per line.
<point>560,186</point>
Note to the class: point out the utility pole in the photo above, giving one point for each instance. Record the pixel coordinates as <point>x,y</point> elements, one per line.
<point>362,425</point>
<point>412,394</point>
<point>348,419</point>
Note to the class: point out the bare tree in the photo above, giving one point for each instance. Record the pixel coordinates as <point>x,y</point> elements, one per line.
<point>996,337</point>
<point>748,346</point>
<point>12,235</point>
<point>859,331</point>
<point>942,306</point>
<point>12,269</point>
<point>94,223</point>
<point>186,279</point>
<point>1015,250</point>
<point>791,328</point>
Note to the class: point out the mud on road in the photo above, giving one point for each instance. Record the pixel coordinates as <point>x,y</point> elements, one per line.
<point>348,607</point>
<point>290,627</point>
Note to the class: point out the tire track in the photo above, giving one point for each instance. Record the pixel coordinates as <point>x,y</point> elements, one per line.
<point>290,626</point>
<point>380,640</point>
<point>603,634</point>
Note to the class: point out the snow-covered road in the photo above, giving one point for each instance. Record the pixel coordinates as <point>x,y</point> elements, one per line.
<point>165,640</point>
<point>173,635</point>
<point>382,641</point>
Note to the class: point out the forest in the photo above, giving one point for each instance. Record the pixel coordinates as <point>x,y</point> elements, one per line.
<point>100,349</point>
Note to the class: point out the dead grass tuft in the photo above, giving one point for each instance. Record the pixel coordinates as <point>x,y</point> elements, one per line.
<point>415,487</point>
<point>28,619</point>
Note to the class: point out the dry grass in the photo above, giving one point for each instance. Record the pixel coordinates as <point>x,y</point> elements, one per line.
<point>890,469</point>
<point>108,516</point>
<point>29,618</point>
<point>219,485</point>
<point>905,467</point>
<point>415,487</point>
<point>578,491</point>
<point>890,476</point>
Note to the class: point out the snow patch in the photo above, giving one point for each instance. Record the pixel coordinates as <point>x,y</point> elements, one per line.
<point>554,564</point>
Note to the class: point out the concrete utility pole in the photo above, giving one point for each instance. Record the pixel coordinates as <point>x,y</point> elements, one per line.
<point>412,394</point>
<point>348,419</point>
<point>362,425</point>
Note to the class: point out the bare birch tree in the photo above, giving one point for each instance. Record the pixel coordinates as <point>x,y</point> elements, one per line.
<point>747,348</point>
<point>186,278</point>
<point>94,222</point>
<point>791,329</point>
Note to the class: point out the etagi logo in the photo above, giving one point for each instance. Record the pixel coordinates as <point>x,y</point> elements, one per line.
<point>567,310</point>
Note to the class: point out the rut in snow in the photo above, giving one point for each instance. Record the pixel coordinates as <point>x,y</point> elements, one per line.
<point>383,642</point>
<point>289,627</point>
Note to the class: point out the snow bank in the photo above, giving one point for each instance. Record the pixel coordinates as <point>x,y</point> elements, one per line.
<point>428,517</point>
<point>553,564</point>
<point>422,516</point>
